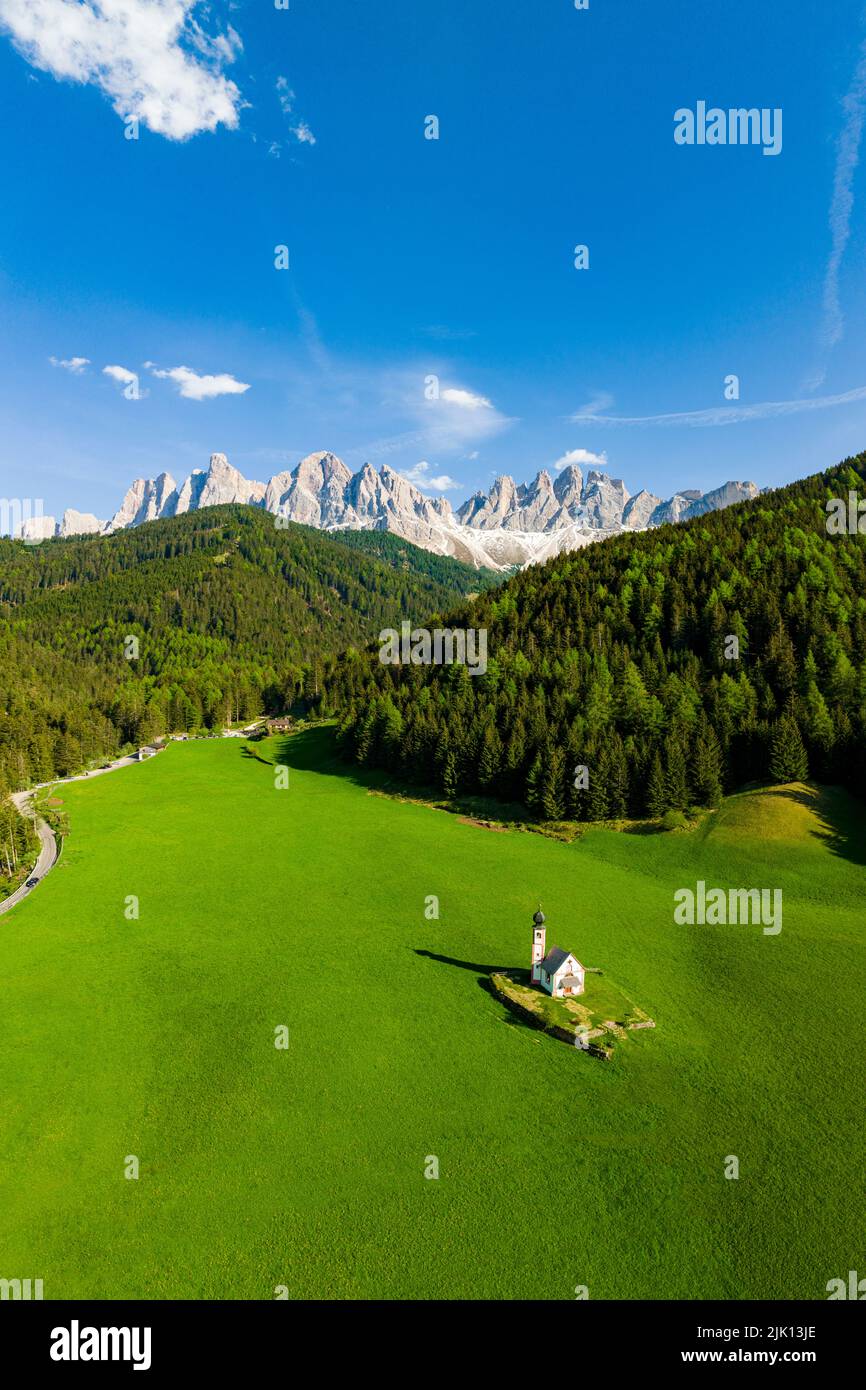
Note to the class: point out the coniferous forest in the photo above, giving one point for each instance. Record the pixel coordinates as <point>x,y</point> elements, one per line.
<point>619,659</point>
<point>231,617</point>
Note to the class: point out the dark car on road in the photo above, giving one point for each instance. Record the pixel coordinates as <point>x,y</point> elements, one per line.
<point>31,883</point>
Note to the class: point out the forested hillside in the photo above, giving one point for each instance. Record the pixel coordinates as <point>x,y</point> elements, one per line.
<point>618,658</point>
<point>232,617</point>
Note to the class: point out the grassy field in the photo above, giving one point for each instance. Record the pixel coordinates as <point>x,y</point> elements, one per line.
<point>305,1167</point>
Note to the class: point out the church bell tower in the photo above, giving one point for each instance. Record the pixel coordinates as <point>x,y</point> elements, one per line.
<point>539,949</point>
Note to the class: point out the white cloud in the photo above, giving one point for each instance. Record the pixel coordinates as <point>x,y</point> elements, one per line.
<point>467,400</point>
<point>303,134</point>
<point>728,414</point>
<point>150,57</point>
<point>76,365</point>
<point>274,149</point>
<point>121,374</point>
<point>420,476</point>
<point>194,387</point>
<point>578,456</point>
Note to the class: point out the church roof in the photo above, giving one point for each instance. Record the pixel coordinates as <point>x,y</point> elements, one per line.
<point>556,958</point>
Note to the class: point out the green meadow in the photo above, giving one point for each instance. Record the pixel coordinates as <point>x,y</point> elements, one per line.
<point>304,1167</point>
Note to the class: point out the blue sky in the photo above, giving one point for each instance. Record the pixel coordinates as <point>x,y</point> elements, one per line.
<point>412,257</point>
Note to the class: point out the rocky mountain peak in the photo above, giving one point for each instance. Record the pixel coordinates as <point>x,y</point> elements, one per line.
<point>509,525</point>
<point>75,523</point>
<point>638,509</point>
<point>541,483</point>
<point>568,487</point>
<point>324,468</point>
<point>146,500</point>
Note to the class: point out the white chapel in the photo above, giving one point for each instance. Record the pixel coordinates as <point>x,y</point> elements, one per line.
<point>556,970</point>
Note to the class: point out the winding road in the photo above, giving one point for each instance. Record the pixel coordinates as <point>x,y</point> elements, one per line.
<point>48,848</point>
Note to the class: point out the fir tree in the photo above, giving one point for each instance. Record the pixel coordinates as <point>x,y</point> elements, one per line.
<point>599,786</point>
<point>788,760</point>
<point>617,775</point>
<point>656,796</point>
<point>553,786</point>
<point>707,768</point>
<point>449,776</point>
<point>532,794</point>
<point>490,761</point>
<point>676,779</point>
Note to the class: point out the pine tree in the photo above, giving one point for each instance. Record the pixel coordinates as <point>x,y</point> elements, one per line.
<point>633,698</point>
<point>490,762</point>
<point>364,735</point>
<point>599,786</point>
<point>391,733</point>
<point>617,779</point>
<point>553,786</point>
<point>449,776</point>
<point>676,780</point>
<point>707,768</point>
<point>442,749</point>
<point>577,796</point>
<point>818,722</point>
<point>532,796</point>
<point>656,796</point>
<point>788,759</point>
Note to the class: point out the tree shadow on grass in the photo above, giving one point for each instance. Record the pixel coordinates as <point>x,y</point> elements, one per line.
<point>256,756</point>
<point>315,750</point>
<point>841,819</point>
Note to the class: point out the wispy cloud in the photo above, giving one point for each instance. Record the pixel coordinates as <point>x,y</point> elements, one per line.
<point>194,387</point>
<point>459,419</point>
<point>841,210</point>
<point>455,421</point>
<point>597,404</point>
<point>286,98</point>
<point>151,58</point>
<point>727,415</point>
<point>420,476</point>
<point>75,365</point>
<point>285,95</point>
<point>445,334</point>
<point>579,456</point>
